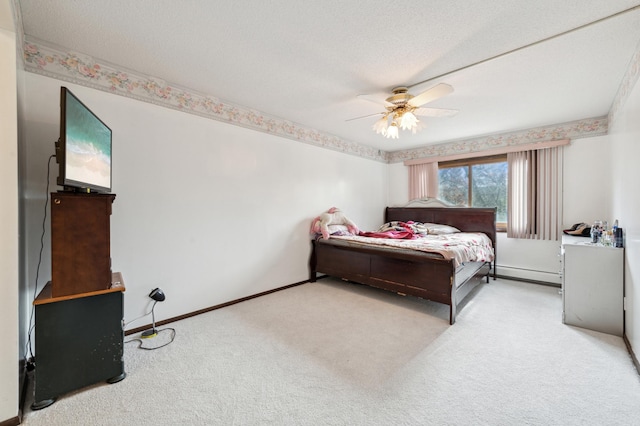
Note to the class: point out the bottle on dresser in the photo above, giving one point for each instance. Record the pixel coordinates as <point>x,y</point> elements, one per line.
<point>596,232</point>
<point>617,234</point>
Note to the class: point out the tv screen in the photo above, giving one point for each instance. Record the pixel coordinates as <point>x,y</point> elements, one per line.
<point>84,149</point>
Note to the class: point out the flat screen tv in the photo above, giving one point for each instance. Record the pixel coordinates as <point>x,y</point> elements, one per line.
<point>83,151</point>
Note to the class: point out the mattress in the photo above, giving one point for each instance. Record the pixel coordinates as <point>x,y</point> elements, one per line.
<point>461,247</point>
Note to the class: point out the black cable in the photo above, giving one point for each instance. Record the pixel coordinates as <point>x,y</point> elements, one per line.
<point>28,347</point>
<point>173,336</point>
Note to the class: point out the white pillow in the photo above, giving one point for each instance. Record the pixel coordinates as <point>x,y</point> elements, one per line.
<point>440,229</point>
<point>339,230</point>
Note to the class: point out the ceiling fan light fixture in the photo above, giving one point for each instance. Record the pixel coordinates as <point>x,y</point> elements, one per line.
<point>408,121</point>
<point>402,109</point>
<point>392,131</point>
<point>381,126</point>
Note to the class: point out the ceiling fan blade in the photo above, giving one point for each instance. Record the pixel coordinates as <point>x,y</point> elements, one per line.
<point>365,116</point>
<point>375,100</point>
<point>429,95</point>
<point>435,112</point>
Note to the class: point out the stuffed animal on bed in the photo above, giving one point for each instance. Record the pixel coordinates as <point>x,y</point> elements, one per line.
<point>331,217</point>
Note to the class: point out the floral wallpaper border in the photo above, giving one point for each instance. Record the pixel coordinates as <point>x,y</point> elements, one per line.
<point>84,70</point>
<point>572,130</point>
<point>81,69</point>
<point>629,80</point>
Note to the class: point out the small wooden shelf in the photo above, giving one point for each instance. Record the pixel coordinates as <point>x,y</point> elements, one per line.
<point>46,294</point>
<point>80,242</point>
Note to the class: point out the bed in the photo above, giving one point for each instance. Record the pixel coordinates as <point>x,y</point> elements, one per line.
<point>430,276</point>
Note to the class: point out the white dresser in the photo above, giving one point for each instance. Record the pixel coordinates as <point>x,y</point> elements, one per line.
<point>592,285</point>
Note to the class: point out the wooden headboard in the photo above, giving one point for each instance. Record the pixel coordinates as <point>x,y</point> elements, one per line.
<point>466,219</point>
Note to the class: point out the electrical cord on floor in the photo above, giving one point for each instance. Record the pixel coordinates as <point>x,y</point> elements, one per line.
<point>140,341</point>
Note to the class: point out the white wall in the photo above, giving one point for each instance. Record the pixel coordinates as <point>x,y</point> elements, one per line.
<point>398,184</point>
<point>625,134</point>
<point>587,177</point>
<point>586,183</point>
<point>207,211</point>
<point>9,249</point>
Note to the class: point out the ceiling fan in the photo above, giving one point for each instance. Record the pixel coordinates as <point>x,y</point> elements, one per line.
<point>402,109</point>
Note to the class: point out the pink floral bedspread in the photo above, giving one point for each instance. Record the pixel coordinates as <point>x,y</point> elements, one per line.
<point>462,247</point>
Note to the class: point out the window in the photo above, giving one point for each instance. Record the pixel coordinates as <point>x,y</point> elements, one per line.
<point>476,182</point>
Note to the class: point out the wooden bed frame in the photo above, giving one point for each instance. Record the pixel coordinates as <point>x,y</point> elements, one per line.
<point>408,272</point>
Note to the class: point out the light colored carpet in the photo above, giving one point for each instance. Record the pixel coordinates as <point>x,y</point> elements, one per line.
<point>333,353</point>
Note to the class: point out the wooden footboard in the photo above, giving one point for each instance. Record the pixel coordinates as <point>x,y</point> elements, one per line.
<point>401,271</point>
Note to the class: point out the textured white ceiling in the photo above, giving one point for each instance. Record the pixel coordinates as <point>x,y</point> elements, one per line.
<point>307,61</point>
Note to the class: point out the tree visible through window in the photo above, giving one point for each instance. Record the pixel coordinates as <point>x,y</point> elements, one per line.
<point>478,182</point>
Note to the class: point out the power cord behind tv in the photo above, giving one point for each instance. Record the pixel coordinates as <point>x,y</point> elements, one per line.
<point>28,353</point>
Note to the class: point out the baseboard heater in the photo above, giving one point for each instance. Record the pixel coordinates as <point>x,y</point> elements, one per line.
<point>529,275</point>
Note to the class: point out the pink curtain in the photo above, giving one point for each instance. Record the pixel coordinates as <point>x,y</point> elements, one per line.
<point>423,180</point>
<point>535,194</point>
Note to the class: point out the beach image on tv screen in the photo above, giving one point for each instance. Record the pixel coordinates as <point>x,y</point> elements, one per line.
<point>88,146</point>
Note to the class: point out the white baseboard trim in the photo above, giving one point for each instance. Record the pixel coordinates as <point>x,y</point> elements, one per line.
<point>529,274</point>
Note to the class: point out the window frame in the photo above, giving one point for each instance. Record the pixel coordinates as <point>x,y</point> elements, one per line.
<point>469,162</point>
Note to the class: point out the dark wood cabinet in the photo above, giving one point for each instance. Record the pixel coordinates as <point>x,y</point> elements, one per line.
<point>80,242</point>
<point>79,341</point>
<point>79,314</point>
